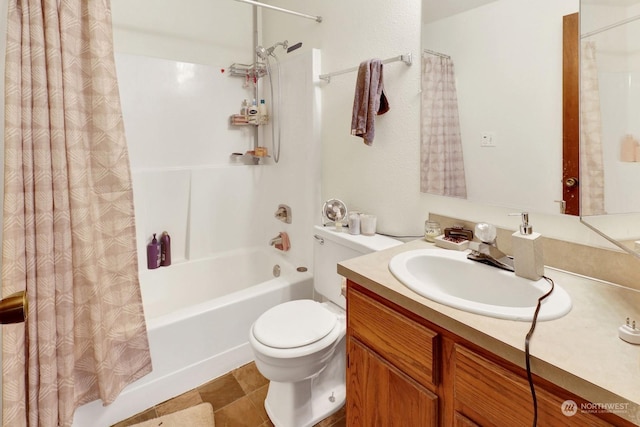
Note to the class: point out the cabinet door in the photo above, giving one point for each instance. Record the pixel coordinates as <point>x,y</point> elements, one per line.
<point>378,394</point>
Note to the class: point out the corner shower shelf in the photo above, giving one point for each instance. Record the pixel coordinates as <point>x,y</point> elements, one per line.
<point>242,120</point>
<point>250,155</point>
<point>255,70</point>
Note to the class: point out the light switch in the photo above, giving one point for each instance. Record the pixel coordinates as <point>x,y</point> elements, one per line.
<point>487,139</point>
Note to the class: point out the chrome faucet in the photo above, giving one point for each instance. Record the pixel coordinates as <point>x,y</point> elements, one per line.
<point>487,251</point>
<point>275,241</point>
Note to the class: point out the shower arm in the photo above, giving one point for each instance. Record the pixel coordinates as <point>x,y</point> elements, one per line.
<point>284,44</point>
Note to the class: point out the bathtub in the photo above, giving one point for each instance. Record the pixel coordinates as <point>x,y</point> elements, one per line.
<point>198,318</point>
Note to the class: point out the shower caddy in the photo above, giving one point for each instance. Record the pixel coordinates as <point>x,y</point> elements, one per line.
<point>251,72</point>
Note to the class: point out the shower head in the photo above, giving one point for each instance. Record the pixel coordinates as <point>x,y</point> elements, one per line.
<point>261,52</point>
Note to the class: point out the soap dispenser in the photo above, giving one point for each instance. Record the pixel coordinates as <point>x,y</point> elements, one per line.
<point>528,259</point>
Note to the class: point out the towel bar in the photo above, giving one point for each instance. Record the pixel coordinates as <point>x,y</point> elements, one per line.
<point>406,58</point>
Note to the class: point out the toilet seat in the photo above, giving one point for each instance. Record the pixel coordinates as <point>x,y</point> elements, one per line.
<point>294,324</point>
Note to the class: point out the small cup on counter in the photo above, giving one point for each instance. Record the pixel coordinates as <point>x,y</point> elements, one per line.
<point>368,224</point>
<point>431,230</point>
<point>354,222</point>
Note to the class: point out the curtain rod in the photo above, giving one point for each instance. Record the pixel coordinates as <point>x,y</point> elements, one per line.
<point>279,9</point>
<point>406,58</point>
<point>609,27</point>
<point>433,52</point>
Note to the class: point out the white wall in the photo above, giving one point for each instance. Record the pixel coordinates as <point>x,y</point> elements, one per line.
<point>384,178</point>
<point>211,32</point>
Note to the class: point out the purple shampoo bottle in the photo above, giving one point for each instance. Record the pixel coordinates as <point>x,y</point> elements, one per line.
<point>153,253</point>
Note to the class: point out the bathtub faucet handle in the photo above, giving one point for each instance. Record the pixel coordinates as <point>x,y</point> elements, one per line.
<point>284,214</point>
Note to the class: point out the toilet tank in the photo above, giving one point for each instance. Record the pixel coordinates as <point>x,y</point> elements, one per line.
<point>332,247</point>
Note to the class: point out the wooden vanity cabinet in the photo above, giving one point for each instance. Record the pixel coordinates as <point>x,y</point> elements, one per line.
<point>404,371</point>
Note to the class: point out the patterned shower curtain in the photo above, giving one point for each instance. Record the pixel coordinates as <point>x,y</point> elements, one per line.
<point>69,233</point>
<point>441,159</point>
<point>591,162</point>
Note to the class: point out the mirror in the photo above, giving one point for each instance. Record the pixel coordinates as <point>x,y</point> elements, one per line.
<point>507,56</point>
<point>610,119</point>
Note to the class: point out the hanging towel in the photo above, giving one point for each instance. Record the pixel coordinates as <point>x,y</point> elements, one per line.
<point>369,100</point>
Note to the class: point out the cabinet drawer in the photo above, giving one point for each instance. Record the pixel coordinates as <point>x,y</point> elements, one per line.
<point>406,344</point>
<point>491,395</point>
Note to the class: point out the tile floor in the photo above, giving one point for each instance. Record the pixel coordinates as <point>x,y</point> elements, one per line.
<point>237,399</point>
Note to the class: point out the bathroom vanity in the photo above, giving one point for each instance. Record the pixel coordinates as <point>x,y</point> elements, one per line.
<point>414,362</point>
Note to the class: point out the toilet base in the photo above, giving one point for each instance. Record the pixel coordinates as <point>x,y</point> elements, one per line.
<point>302,404</point>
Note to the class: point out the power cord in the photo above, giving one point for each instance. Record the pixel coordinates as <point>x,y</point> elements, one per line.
<point>526,350</point>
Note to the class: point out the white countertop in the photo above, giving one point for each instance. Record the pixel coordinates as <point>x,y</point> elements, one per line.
<point>580,352</point>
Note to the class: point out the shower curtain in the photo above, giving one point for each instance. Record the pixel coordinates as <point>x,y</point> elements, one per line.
<point>591,162</point>
<point>69,233</point>
<point>441,159</point>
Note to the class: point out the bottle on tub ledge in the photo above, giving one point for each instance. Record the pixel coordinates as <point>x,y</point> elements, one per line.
<point>153,253</point>
<point>165,249</point>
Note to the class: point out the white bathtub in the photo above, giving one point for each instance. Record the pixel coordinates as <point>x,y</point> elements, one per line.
<point>198,317</point>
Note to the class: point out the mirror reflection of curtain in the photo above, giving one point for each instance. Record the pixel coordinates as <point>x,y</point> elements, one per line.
<point>441,159</point>
<point>68,231</point>
<point>591,162</point>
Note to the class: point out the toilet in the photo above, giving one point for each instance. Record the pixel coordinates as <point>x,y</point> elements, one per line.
<point>300,347</point>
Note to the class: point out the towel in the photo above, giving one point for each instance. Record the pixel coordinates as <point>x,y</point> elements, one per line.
<point>369,100</point>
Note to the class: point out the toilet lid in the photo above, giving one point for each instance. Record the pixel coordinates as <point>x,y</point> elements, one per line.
<point>294,324</point>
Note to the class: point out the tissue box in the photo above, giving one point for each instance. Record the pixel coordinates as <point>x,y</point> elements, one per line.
<point>442,242</point>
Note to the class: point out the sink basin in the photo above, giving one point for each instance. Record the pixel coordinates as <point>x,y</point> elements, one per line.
<point>449,278</point>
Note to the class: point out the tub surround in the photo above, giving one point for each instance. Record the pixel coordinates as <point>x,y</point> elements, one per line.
<point>580,352</point>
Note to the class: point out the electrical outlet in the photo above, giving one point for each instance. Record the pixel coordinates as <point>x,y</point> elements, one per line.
<point>629,333</point>
<point>487,139</point>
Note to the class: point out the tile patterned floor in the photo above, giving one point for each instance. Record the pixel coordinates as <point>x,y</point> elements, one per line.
<point>237,399</point>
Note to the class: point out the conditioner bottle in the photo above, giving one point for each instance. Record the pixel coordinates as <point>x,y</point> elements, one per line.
<point>165,249</point>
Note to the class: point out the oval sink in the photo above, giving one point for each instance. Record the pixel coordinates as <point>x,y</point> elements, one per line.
<point>449,278</point>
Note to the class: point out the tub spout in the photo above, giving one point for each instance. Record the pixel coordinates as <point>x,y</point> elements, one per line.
<point>281,242</point>
<point>275,241</point>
